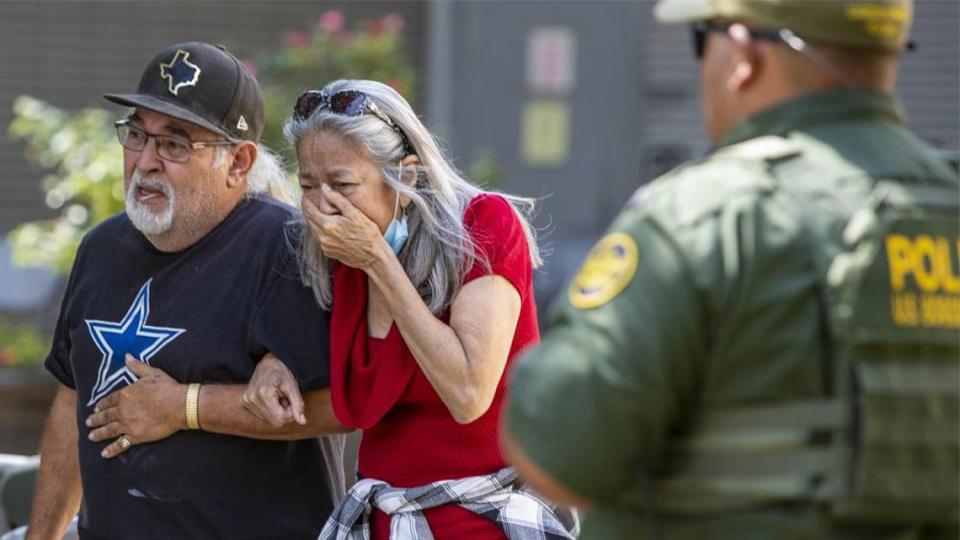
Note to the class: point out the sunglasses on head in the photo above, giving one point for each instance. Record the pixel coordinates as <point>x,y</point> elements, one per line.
<point>348,103</point>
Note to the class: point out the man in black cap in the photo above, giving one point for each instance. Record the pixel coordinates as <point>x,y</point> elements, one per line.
<point>194,280</point>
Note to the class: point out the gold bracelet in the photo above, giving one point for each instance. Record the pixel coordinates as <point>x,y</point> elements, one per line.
<point>193,406</point>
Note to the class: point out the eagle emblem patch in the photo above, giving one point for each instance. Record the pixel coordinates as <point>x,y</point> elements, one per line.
<point>609,268</point>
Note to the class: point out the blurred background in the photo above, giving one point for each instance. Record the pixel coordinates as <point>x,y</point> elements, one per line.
<point>577,103</point>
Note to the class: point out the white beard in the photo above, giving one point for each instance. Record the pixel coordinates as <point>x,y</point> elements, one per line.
<point>143,218</point>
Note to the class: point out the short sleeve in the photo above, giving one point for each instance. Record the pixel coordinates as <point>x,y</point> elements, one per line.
<point>593,404</point>
<point>290,324</point>
<point>501,243</point>
<point>57,361</point>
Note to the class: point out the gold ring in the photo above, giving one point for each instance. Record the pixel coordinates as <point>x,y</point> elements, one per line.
<point>124,442</point>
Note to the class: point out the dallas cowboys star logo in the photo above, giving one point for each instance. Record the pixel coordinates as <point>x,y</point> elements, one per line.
<point>180,72</point>
<point>130,335</point>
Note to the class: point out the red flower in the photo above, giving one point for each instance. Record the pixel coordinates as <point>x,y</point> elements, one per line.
<point>375,27</point>
<point>332,21</point>
<point>7,358</point>
<point>297,40</point>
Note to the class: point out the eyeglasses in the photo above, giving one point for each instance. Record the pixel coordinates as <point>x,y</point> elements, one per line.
<point>170,148</point>
<point>700,29</point>
<point>348,103</point>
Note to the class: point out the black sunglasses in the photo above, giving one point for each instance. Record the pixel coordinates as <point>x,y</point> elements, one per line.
<point>700,29</point>
<point>347,103</point>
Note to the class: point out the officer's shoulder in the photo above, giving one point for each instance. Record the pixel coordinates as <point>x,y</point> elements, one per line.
<point>697,190</point>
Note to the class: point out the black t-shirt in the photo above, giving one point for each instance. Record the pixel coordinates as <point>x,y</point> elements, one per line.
<point>206,314</point>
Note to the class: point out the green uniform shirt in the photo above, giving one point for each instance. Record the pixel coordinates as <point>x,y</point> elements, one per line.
<point>703,297</point>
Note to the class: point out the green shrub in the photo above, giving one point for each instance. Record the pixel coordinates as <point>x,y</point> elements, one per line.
<point>21,344</point>
<point>325,52</point>
<point>84,183</point>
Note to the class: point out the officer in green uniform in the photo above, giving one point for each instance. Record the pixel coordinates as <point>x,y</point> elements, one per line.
<point>765,343</point>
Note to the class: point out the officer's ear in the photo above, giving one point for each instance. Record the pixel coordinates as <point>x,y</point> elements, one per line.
<point>745,58</point>
<point>244,155</point>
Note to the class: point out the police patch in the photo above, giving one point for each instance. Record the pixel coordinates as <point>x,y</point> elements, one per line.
<point>609,267</point>
<point>180,72</point>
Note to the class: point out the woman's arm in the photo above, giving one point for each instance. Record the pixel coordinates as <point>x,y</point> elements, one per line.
<point>222,411</point>
<point>464,360</point>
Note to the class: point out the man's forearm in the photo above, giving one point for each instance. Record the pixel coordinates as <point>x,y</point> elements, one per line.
<point>221,411</point>
<point>58,493</point>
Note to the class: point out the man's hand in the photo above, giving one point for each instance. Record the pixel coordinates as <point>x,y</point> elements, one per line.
<point>273,395</point>
<point>149,410</point>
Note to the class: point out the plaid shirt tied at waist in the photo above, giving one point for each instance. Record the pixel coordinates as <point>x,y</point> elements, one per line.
<point>499,497</point>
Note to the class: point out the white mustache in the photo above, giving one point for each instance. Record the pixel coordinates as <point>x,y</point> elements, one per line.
<point>142,215</point>
<point>154,181</point>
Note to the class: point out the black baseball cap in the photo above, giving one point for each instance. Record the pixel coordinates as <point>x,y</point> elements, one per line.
<point>202,84</point>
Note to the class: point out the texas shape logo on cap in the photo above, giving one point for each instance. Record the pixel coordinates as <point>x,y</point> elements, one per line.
<point>180,72</point>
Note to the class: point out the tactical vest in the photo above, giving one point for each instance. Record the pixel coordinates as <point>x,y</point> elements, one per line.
<point>883,446</point>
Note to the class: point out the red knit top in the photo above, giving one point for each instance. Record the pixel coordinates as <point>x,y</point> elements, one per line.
<point>409,437</point>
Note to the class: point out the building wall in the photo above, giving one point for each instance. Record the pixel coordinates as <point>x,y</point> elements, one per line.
<point>929,82</point>
<point>71,52</point>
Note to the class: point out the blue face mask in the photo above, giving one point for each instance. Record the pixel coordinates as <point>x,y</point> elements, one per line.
<point>397,232</point>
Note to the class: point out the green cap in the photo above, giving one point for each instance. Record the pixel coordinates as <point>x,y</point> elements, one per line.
<point>875,24</point>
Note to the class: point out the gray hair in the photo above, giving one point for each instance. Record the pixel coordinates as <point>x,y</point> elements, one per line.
<point>439,251</point>
<point>266,175</point>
